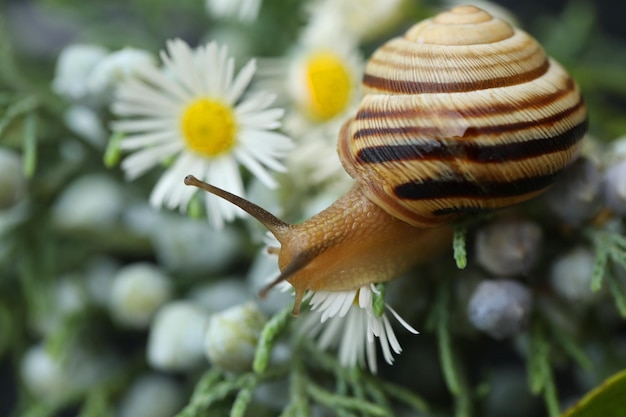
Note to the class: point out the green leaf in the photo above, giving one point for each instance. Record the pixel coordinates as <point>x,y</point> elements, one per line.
<point>113,153</point>
<point>606,400</point>
<point>30,144</point>
<point>599,267</point>
<point>540,378</point>
<point>458,244</point>
<point>378,300</point>
<point>268,336</point>
<point>617,293</point>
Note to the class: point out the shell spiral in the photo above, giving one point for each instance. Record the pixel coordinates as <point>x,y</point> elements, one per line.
<point>462,114</point>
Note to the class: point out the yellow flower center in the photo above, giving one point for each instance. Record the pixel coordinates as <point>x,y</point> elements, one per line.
<point>329,83</point>
<point>209,127</point>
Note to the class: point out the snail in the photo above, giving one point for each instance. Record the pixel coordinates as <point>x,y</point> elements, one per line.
<point>461,115</point>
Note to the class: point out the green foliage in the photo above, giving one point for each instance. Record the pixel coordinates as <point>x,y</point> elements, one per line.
<point>606,400</point>
<point>610,249</point>
<point>356,392</point>
<point>439,322</point>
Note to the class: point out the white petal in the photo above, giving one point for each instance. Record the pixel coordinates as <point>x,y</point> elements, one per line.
<point>337,304</point>
<point>137,98</point>
<point>241,82</point>
<point>401,320</point>
<point>144,124</point>
<point>255,168</point>
<point>162,189</point>
<point>180,194</point>
<point>223,173</point>
<point>164,83</point>
<point>255,102</point>
<point>370,350</point>
<point>182,65</point>
<point>332,332</point>
<point>391,336</point>
<point>140,161</point>
<point>147,139</point>
<point>384,344</point>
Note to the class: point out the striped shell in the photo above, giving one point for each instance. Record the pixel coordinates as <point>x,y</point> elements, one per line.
<point>463,114</point>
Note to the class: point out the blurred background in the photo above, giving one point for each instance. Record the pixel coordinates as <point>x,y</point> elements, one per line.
<point>104,299</point>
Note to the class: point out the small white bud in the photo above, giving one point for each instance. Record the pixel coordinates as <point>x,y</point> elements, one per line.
<point>54,379</point>
<point>83,121</point>
<point>152,395</point>
<point>571,273</point>
<point>115,67</point>
<point>137,293</point>
<point>508,247</point>
<point>615,188</point>
<point>43,375</point>
<point>73,69</point>
<point>500,308</point>
<point>92,201</point>
<point>232,335</point>
<point>176,337</point>
<point>575,197</point>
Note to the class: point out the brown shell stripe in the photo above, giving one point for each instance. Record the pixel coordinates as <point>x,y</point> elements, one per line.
<point>418,87</point>
<point>429,188</point>
<point>495,109</point>
<point>472,151</point>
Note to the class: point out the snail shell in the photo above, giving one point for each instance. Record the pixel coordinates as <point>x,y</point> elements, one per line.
<point>462,114</point>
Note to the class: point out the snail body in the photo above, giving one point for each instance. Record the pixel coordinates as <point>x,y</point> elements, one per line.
<point>462,114</point>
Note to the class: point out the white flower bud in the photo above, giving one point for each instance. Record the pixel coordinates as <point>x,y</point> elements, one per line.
<point>500,308</point>
<point>137,293</point>
<point>219,295</point>
<point>115,67</point>
<point>232,335</point>
<point>73,68</point>
<point>570,275</point>
<point>152,395</point>
<point>615,188</point>
<point>92,201</point>
<point>574,198</point>
<point>83,121</point>
<point>54,379</point>
<point>176,337</point>
<point>12,179</point>
<point>44,375</point>
<point>508,247</point>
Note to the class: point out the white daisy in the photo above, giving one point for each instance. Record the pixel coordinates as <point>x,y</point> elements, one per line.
<point>323,79</point>
<point>191,114</point>
<point>245,10</point>
<point>347,320</point>
<point>319,80</point>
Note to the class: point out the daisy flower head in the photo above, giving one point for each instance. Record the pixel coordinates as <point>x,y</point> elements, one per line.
<point>192,113</point>
<point>320,81</point>
<point>323,79</point>
<point>348,321</point>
